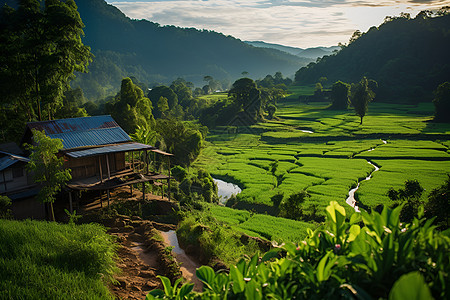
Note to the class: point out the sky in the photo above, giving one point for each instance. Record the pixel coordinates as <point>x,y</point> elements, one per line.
<point>296,23</point>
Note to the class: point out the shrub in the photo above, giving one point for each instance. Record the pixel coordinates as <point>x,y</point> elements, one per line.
<point>370,256</point>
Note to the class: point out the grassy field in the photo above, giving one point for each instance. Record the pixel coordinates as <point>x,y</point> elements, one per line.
<point>264,226</point>
<point>326,152</point>
<point>42,260</point>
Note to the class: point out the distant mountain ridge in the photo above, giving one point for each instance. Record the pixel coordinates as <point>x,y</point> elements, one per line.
<point>160,54</point>
<point>288,49</point>
<point>311,53</point>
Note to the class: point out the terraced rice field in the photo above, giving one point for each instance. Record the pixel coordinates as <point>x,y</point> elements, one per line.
<point>327,152</point>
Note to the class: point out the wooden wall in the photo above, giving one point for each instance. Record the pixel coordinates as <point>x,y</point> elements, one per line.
<point>89,166</point>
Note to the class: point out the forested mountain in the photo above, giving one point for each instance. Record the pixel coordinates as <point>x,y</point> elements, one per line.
<point>159,54</point>
<point>288,49</point>
<point>408,58</point>
<point>308,53</point>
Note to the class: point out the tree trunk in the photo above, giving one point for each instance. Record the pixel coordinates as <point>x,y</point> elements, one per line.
<point>361,121</point>
<point>52,212</point>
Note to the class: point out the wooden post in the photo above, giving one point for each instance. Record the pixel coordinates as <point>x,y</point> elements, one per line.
<point>101,200</point>
<point>108,197</point>
<point>131,190</point>
<point>4,180</point>
<point>70,202</point>
<point>100,166</point>
<point>146,158</point>
<point>132,160</point>
<point>168,181</point>
<point>107,166</point>
<point>143,191</point>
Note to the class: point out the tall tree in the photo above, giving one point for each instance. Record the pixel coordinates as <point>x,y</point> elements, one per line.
<point>360,96</point>
<point>131,108</point>
<point>47,167</point>
<point>339,95</point>
<point>45,39</point>
<point>442,102</point>
<point>247,97</point>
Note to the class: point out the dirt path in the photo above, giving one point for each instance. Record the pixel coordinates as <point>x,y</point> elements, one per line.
<point>140,258</point>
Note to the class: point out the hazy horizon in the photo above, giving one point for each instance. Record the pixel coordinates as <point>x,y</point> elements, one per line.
<point>294,23</point>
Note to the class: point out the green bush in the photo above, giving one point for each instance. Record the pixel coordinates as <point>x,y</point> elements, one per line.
<point>372,256</point>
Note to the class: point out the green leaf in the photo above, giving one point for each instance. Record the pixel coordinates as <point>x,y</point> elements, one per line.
<point>238,280</point>
<point>155,294</point>
<point>253,291</point>
<point>270,254</point>
<point>206,275</point>
<point>336,212</point>
<point>185,290</point>
<point>355,218</point>
<point>167,285</point>
<point>353,232</point>
<point>323,268</point>
<point>410,286</point>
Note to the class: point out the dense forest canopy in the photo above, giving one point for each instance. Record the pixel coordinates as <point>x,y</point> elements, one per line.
<point>407,57</point>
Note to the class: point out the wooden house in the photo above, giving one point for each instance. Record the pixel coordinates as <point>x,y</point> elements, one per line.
<point>95,149</point>
<point>14,178</point>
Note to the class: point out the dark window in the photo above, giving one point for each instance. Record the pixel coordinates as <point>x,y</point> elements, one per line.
<point>17,172</point>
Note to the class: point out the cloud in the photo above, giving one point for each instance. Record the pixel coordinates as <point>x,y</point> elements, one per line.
<point>301,23</point>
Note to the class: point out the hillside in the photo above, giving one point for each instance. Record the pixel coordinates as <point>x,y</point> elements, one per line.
<point>288,49</point>
<point>160,54</point>
<point>407,57</point>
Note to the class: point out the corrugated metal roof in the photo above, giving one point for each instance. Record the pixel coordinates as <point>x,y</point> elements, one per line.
<point>82,132</point>
<point>10,159</point>
<point>110,149</point>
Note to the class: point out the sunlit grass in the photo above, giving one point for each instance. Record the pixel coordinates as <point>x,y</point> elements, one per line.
<point>41,260</point>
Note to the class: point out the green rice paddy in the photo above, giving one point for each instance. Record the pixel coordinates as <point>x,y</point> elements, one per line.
<point>327,152</point>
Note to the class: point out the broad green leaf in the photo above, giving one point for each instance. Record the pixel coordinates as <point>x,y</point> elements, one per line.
<point>270,254</point>
<point>337,213</point>
<point>185,290</point>
<point>155,294</point>
<point>353,232</point>
<point>410,286</point>
<point>238,280</point>
<point>167,286</point>
<point>322,268</point>
<point>206,275</point>
<point>355,218</point>
<point>253,291</point>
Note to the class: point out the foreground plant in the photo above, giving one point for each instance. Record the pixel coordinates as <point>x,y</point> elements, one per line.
<point>372,256</point>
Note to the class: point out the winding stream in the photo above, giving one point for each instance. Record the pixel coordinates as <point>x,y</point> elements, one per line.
<point>188,265</point>
<point>351,194</point>
<point>225,190</point>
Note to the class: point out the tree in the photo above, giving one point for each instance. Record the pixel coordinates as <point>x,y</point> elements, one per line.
<point>163,106</point>
<point>47,167</point>
<point>183,141</point>
<point>247,97</point>
<point>43,50</point>
<point>360,96</point>
<point>131,108</point>
<point>441,102</point>
<point>163,91</point>
<point>291,207</point>
<point>438,204</point>
<point>410,196</point>
<point>339,95</point>
<point>318,90</point>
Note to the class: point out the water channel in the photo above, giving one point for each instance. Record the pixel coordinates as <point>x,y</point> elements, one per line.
<point>225,190</point>
<point>188,264</point>
<point>351,194</point>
